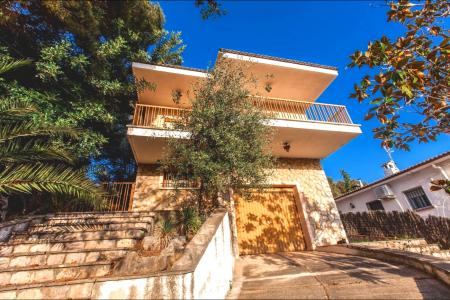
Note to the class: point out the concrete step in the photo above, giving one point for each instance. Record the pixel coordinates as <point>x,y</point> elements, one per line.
<point>67,227</point>
<point>125,240</point>
<point>78,235</point>
<point>94,220</point>
<point>51,258</point>
<point>42,274</point>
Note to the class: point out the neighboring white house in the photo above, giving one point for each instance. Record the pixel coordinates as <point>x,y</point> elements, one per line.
<point>403,190</point>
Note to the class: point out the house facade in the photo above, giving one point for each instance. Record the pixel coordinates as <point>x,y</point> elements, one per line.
<point>404,190</point>
<point>298,211</point>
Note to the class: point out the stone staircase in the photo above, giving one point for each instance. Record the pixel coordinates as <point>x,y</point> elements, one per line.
<point>69,247</point>
<point>411,245</point>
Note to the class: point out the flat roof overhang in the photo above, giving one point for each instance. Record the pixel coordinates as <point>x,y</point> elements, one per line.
<point>287,79</point>
<point>306,140</point>
<point>167,79</point>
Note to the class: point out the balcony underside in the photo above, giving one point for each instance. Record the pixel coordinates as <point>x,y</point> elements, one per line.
<point>306,140</point>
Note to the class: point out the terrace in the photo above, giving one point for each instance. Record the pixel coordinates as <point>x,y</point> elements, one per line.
<point>312,130</point>
<point>162,117</point>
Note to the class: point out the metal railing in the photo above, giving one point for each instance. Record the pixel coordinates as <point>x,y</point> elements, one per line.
<point>170,181</point>
<point>152,116</point>
<point>285,109</point>
<point>119,196</point>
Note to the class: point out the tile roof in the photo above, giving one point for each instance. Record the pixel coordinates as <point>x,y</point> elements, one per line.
<point>427,161</point>
<point>277,59</point>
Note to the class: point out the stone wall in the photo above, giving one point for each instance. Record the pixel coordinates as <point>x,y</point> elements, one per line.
<point>323,222</point>
<point>203,272</point>
<point>148,194</point>
<point>322,216</point>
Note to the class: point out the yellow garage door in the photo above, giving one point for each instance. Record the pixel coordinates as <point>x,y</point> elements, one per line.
<point>268,222</point>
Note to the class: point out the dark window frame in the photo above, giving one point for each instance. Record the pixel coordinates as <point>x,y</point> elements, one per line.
<point>417,198</point>
<point>371,208</point>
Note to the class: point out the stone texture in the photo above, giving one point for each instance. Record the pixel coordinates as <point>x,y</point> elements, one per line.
<point>148,194</point>
<point>43,275</point>
<point>22,277</point>
<point>78,291</point>
<point>92,257</point>
<point>20,261</point>
<point>5,277</point>
<point>146,264</point>
<point>30,294</point>
<point>208,276</point>
<point>55,259</point>
<point>315,195</point>
<point>322,216</point>
<point>151,243</point>
<point>39,248</point>
<point>75,258</point>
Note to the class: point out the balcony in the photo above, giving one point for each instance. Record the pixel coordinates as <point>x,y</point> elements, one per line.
<point>313,130</point>
<point>161,117</point>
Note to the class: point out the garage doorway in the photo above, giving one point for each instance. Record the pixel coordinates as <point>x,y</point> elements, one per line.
<point>268,222</point>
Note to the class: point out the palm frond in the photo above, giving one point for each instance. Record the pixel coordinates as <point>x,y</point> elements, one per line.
<point>7,64</point>
<point>29,129</point>
<point>15,108</point>
<point>17,151</point>
<point>57,179</point>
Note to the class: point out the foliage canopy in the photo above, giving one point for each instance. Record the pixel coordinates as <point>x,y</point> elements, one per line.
<point>413,75</point>
<point>30,159</point>
<point>227,148</point>
<point>83,52</point>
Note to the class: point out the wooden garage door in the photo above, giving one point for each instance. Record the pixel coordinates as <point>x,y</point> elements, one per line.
<point>268,222</point>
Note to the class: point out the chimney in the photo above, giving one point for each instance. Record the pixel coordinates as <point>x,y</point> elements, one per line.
<point>390,168</point>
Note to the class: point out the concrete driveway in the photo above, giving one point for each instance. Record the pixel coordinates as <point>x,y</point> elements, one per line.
<point>319,275</point>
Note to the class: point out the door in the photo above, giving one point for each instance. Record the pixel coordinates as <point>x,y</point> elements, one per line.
<point>268,222</point>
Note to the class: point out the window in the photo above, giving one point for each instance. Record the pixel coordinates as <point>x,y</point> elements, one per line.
<point>417,198</point>
<point>375,205</point>
<point>170,181</point>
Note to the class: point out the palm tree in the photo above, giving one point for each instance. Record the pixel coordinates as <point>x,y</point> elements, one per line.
<point>31,159</point>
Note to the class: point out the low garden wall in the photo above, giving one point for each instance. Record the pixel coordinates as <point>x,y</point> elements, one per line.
<point>204,271</point>
<point>428,264</point>
<point>379,225</point>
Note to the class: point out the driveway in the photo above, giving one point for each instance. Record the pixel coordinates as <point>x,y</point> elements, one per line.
<point>319,275</point>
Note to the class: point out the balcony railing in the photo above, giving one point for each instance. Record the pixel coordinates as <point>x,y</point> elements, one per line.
<point>151,116</point>
<point>156,116</point>
<point>284,109</point>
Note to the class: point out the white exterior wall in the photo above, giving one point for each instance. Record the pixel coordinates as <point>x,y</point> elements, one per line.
<point>211,278</point>
<point>440,201</point>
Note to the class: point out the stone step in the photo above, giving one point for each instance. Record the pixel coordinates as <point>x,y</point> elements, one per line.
<point>68,227</point>
<point>428,249</point>
<point>442,254</point>
<point>51,258</point>
<point>91,220</point>
<point>397,244</point>
<point>42,274</point>
<point>78,235</point>
<point>96,214</point>
<point>127,240</point>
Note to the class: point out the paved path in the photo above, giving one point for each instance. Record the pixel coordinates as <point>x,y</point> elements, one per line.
<point>318,275</point>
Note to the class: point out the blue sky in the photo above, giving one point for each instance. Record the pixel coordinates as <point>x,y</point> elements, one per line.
<point>324,32</point>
